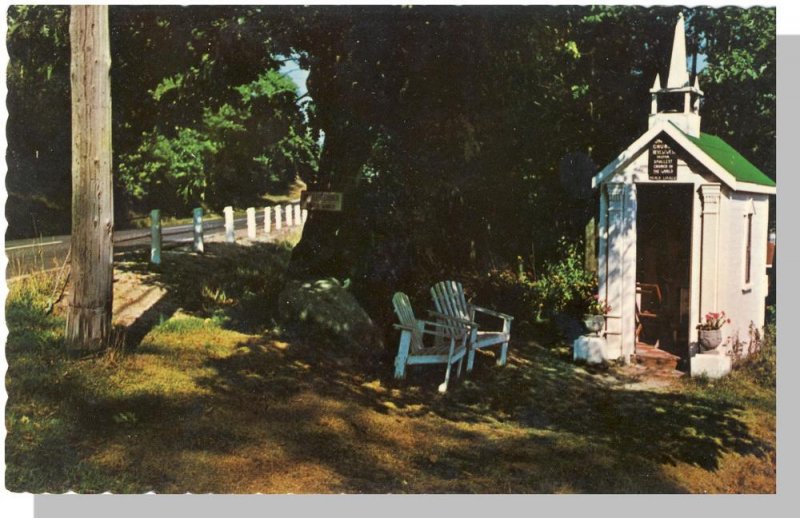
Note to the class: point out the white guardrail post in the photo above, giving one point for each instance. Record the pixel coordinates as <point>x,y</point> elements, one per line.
<point>297,216</point>
<point>277,217</point>
<point>267,223</point>
<point>155,236</point>
<point>288,215</point>
<point>197,223</point>
<point>251,223</point>
<point>230,235</point>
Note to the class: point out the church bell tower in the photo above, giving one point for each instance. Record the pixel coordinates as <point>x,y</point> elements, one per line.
<point>687,118</point>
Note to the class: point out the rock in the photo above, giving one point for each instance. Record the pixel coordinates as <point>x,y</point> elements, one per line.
<point>324,309</point>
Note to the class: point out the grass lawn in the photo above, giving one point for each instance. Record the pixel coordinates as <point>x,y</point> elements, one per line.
<point>217,397</point>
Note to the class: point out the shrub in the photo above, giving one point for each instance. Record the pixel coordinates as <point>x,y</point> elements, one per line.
<point>761,366</point>
<point>565,286</point>
<point>508,291</point>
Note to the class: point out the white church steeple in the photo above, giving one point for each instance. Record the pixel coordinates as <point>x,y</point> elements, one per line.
<point>687,116</point>
<point>678,75</point>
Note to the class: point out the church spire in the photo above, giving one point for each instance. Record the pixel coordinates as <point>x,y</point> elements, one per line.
<point>678,74</point>
<point>678,83</point>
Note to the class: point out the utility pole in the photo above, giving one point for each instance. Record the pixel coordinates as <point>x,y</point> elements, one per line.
<point>90,303</point>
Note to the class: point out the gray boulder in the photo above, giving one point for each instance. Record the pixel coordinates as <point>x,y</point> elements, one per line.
<point>324,309</point>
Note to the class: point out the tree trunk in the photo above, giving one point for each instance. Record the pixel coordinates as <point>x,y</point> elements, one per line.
<point>326,244</point>
<point>89,316</point>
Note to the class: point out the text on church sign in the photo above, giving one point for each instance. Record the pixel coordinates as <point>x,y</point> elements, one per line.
<point>663,164</point>
<point>321,200</point>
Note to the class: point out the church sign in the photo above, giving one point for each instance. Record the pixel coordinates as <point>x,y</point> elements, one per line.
<point>321,200</point>
<point>663,163</point>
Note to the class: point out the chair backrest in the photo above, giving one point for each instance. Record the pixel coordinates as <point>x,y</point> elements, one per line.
<point>448,297</point>
<point>402,308</point>
<point>649,297</point>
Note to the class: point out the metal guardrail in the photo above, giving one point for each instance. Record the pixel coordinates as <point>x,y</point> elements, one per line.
<point>55,247</point>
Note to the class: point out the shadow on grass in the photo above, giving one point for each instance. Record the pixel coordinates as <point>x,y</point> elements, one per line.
<point>280,413</point>
<point>537,394</point>
<point>537,391</point>
<point>238,284</point>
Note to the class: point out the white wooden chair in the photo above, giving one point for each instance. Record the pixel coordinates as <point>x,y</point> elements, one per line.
<point>450,302</point>
<point>413,351</point>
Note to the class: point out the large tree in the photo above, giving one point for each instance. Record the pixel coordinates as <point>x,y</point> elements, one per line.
<point>90,303</point>
<point>444,126</point>
<point>200,115</point>
<point>204,115</point>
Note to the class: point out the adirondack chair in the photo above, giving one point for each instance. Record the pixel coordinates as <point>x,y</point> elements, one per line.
<point>414,351</point>
<point>450,302</point>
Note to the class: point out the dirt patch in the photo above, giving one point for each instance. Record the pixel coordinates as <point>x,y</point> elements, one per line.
<point>133,296</point>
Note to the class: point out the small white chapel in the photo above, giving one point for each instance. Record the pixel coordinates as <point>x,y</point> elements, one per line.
<point>682,232</point>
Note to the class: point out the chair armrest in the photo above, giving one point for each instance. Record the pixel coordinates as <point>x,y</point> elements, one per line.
<point>493,313</point>
<point>402,327</point>
<point>437,324</point>
<point>442,331</point>
<point>462,321</point>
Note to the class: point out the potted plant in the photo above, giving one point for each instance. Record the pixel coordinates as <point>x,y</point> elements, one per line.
<point>595,317</point>
<point>709,332</point>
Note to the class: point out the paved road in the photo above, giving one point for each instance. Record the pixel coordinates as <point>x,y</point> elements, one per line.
<point>28,255</point>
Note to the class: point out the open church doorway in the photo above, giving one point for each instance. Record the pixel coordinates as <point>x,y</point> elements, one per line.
<point>663,266</point>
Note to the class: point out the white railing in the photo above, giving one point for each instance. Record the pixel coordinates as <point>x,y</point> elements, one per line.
<point>275,219</point>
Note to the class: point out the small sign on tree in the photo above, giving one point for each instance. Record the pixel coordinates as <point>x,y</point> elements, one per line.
<point>663,164</point>
<point>321,200</point>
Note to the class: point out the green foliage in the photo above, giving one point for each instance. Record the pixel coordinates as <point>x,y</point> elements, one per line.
<point>27,313</point>
<point>38,157</point>
<point>561,286</point>
<point>761,367</point>
<point>739,80</point>
<point>444,126</point>
<point>477,155</point>
<point>163,165</point>
<point>504,289</point>
<point>208,119</point>
<point>564,286</point>
<point>200,113</point>
<point>237,151</point>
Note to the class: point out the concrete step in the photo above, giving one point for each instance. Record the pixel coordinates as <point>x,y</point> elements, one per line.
<point>653,358</point>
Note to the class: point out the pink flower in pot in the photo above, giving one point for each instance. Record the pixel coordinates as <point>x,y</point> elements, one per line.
<point>709,333</point>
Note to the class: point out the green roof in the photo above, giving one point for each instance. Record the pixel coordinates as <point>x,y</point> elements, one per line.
<point>730,159</point>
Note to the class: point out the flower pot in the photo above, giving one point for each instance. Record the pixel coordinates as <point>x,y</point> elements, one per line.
<point>709,338</point>
<point>594,323</point>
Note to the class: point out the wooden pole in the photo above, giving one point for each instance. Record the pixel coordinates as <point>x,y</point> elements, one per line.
<point>155,236</point>
<point>197,220</point>
<point>251,223</point>
<point>88,323</point>
<point>230,233</point>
